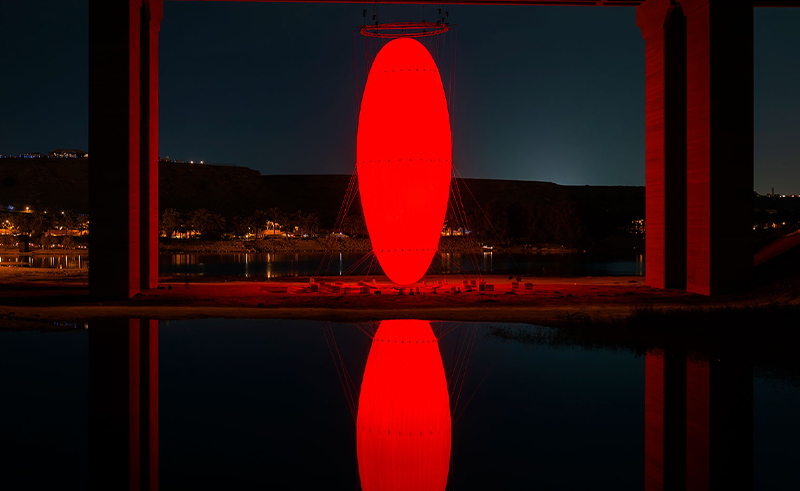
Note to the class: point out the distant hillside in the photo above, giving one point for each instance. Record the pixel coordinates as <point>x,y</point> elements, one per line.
<point>44,184</point>
<point>512,206</point>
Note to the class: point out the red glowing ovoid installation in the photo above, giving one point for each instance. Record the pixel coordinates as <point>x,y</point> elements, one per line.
<point>403,158</point>
<point>403,423</point>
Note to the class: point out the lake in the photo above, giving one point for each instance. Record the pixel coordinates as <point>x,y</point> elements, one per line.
<point>57,261</point>
<point>276,265</point>
<point>246,404</point>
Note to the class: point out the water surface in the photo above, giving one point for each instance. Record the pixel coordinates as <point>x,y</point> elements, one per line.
<point>56,261</point>
<point>274,265</point>
<point>245,404</point>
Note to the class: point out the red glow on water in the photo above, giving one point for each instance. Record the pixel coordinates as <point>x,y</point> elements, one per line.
<point>403,423</point>
<point>403,157</point>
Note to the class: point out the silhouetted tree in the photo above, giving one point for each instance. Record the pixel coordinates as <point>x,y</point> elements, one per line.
<point>83,223</point>
<point>275,217</point>
<point>310,223</point>
<point>38,223</point>
<point>295,222</point>
<point>170,222</point>
<point>355,226</point>
<point>68,220</point>
<point>201,221</point>
<point>260,222</point>
<point>216,226</point>
<point>240,226</point>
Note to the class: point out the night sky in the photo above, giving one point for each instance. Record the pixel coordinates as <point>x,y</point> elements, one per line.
<point>542,93</point>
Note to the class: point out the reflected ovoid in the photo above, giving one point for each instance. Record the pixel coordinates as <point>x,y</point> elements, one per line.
<point>403,422</point>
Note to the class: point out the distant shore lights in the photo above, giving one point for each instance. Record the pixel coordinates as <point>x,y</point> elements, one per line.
<point>404,157</point>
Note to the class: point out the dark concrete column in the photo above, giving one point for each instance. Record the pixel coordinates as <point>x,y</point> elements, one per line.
<point>150,23</point>
<point>114,147</point>
<point>665,421</point>
<point>663,27</point>
<point>123,404</point>
<point>123,146</point>
<point>719,144</point>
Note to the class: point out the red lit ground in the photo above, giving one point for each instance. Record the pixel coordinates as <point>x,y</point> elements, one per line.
<point>61,295</point>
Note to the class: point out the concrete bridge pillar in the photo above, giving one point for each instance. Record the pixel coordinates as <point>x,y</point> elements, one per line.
<point>720,144</point>
<point>699,144</point>
<point>123,146</point>
<point>663,27</point>
<point>151,23</point>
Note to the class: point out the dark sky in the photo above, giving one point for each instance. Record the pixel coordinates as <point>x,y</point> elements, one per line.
<point>542,93</point>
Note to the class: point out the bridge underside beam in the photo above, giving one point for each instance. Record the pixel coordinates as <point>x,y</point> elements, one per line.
<point>570,3</point>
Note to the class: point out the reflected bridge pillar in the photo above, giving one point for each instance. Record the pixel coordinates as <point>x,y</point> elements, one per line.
<point>123,405</point>
<point>665,420</point>
<point>719,423</point>
<point>698,421</point>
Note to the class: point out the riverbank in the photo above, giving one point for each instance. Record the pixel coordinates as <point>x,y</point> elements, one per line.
<point>48,296</point>
<point>331,244</point>
<point>296,245</point>
<point>14,252</point>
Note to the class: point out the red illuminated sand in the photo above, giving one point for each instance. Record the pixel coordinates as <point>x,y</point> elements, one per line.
<point>404,158</point>
<point>403,424</point>
<point>31,295</point>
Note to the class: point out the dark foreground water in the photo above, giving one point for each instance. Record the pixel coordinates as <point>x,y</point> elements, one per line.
<point>253,404</point>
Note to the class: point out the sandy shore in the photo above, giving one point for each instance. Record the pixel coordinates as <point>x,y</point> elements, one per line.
<point>48,295</point>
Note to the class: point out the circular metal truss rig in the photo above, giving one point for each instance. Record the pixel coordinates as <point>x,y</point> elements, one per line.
<point>394,30</point>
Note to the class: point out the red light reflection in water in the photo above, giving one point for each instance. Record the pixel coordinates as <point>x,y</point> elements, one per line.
<point>403,423</point>
<point>404,156</point>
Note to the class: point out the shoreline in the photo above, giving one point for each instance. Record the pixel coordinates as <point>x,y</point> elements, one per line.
<point>294,246</point>
<point>47,296</point>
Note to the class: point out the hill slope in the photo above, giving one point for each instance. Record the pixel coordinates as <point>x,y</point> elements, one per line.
<point>513,207</point>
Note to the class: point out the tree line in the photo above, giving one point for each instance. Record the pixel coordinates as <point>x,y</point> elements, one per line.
<point>44,228</point>
<point>504,223</point>
<point>496,222</point>
<point>203,224</point>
